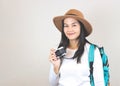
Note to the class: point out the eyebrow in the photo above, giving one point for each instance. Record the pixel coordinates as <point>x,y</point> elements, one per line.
<point>75,22</point>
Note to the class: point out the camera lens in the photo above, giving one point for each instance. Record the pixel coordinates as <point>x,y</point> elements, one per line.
<point>60,52</point>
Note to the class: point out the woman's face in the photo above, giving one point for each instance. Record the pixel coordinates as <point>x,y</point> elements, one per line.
<point>71,28</point>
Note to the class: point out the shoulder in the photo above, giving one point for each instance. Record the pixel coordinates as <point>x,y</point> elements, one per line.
<point>96,47</point>
<point>87,46</point>
<point>93,47</point>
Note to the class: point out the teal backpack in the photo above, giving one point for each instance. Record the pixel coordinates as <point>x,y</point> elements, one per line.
<point>104,61</point>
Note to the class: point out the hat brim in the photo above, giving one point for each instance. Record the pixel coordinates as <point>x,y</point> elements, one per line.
<point>58,23</point>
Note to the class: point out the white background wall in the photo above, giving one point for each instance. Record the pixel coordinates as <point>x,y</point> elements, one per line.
<point>27,33</point>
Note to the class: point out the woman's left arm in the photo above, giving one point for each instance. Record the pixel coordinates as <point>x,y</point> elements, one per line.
<point>98,69</point>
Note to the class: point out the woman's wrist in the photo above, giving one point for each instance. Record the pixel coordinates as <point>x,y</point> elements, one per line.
<point>56,69</point>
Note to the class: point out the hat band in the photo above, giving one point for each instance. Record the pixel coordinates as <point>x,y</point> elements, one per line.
<point>72,14</point>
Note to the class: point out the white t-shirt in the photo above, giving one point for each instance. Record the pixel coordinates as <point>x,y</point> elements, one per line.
<point>72,73</point>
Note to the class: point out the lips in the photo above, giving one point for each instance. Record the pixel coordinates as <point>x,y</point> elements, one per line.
<point>70,33</point>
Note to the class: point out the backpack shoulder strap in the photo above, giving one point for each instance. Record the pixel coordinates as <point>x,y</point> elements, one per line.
<point>104,56</point>
<point>91,61</point>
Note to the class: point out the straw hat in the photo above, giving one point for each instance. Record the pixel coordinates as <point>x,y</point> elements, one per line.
<point>73,13</point>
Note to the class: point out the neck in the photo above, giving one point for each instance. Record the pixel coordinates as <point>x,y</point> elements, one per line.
<point>73,45</point>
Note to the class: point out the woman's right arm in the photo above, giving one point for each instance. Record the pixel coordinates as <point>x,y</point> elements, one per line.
<point>54,68</point>
<point>53,77</point>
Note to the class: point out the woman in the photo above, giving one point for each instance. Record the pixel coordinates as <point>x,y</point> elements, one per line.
<point>73,68</point>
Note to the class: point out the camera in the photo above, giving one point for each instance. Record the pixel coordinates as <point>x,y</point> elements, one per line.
<point>60,52</point>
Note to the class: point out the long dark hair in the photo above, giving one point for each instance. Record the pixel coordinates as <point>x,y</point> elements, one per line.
<point>81,41</point>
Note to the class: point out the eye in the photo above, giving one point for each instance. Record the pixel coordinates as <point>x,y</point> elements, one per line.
<point>65,25</point>
<point>74,25</point>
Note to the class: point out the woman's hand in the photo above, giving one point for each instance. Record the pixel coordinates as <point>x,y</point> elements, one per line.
<point>54,60</point>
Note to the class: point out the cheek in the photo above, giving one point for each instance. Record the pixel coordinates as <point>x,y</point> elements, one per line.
<point>78,31</point>
<point>65,31</point>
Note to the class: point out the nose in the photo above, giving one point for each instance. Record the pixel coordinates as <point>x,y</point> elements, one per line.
<point>70,28</point>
